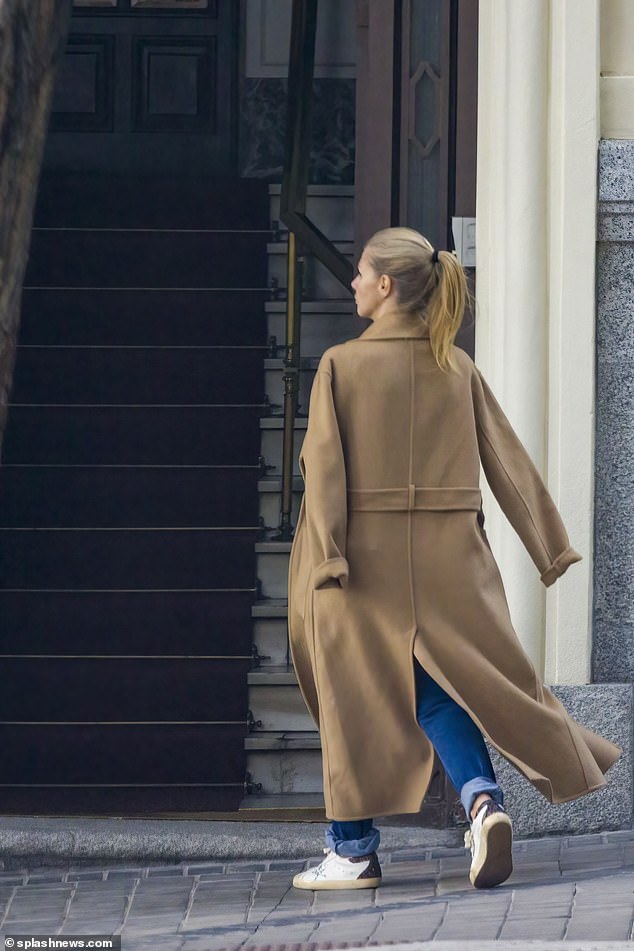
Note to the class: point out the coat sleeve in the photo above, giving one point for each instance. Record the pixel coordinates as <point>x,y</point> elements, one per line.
<point>519,488</point>
<point>325,495</point>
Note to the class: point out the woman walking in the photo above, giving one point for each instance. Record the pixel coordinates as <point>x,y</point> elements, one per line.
<point>399,626</point>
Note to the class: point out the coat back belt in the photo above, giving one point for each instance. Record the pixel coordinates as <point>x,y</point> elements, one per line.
<point>415,497</point>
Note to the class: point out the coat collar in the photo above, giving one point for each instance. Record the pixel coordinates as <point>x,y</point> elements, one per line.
<point>394,325</point>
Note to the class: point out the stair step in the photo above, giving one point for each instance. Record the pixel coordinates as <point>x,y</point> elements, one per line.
<point>115,754</point>
<point>142,800</point>
<point>127,622</point>
<point>139,375</point>
<point>279,708</point>
<point>307,740</point>
<point>286,771</point>
<point>132,435</point>
<point>270,608</point>
<point>168,689</point>
<point>284,807</point>
<point>126,559</point>
<point>113,317</point>
<point>72,200</point>
<point>273,548</point>
<point>145,258</point>
<point>330,207</point>
<point>324,324</point>
<point>124,497</point>
<point>274,484</point>
<point>270,637</point>
<point>280,248</point>
<point>308,364</point>
<point>317,281</point>
<point>272,568</point>
<point>272,441</point>
<point>277,422</point>
<point>282,674</point>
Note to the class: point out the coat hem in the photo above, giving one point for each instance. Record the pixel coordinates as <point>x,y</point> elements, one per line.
<point>557,800</point>
<point>403,810</point>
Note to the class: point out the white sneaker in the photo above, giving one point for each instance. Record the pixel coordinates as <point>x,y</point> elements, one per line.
<point>490,839</point>
<point>336,871</point>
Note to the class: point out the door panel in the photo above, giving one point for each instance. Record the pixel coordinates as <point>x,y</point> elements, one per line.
<point>157,80</point>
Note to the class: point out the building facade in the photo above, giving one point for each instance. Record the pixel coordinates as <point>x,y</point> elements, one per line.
<point>431,113</point>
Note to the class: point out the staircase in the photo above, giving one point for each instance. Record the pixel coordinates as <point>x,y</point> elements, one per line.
<point>128,498</point>
<point>283,749</point>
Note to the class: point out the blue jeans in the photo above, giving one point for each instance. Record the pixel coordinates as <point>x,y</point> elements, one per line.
<point>461,750</point>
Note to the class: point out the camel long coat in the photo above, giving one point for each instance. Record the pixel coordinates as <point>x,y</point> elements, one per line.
<point>390,560</point>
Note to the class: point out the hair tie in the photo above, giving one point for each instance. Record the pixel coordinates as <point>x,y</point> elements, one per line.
<point>434,257</point>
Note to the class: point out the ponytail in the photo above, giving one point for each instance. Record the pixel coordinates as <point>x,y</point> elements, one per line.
<point>445,307</point>
<point>429,283</point>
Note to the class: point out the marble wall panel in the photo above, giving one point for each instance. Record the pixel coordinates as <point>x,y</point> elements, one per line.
<point>613,607</point>
<point>263,130</point>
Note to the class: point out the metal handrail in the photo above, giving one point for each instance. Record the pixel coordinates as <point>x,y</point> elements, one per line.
<point>304,235</point>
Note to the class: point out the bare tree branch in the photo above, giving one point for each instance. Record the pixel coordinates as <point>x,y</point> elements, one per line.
<point>32,39</point>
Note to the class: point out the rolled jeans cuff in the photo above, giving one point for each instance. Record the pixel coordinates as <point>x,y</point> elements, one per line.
<point>474,788</point>
<point>351,848</point>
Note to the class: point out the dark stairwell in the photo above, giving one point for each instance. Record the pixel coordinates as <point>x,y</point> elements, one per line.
<point>128,499</point>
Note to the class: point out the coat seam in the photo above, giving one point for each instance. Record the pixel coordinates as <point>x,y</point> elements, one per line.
<point>322,734</point>
<point>519,495</point>
<point>410,559</point>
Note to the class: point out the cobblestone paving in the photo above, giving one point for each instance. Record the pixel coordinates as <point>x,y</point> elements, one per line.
<point>563,889</point>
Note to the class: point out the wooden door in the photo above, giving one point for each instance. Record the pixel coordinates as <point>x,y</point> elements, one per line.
<point>147,87</point>
<point>416,119</point>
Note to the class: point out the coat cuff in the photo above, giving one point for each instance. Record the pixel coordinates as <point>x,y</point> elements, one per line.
<point>336,569</point>
<point>561,563</point>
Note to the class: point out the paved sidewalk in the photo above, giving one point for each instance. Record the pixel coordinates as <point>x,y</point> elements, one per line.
<point>578,889</point>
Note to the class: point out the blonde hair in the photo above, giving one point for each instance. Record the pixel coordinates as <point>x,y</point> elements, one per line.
<point>436,290</point>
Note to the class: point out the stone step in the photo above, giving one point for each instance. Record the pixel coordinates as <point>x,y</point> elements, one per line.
<point>270,608</point>
<point>285,765</point>
<point>279,708</point>
<point>286,807</point>
<point>317,281</point>
<point>270,499</point>
<point>330,207</point>
<point>270,631</point>
<point>284,752</point>
<point>324,323</point>
<point>273,675</point>
<point>306,740</point>
<point>272,568</point>
<point>271,442</point>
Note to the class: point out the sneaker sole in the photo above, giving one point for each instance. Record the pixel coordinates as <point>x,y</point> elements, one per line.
<point>336,885</point>
<point>496,863</point>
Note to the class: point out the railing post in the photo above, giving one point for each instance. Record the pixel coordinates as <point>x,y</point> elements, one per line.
<point>301,229</point>
<point>291,378</point>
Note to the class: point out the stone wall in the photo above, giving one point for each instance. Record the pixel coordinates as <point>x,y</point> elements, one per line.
<point>263,108</point>
<point>605,709</point>
<point>613,623</point>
